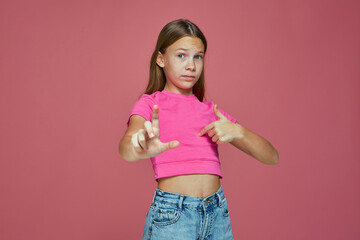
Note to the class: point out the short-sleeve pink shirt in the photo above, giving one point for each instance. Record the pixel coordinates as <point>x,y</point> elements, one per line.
<point>181,118</point>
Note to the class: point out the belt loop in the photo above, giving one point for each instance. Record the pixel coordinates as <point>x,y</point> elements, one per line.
<point>219,198</point>
<point>181,201</point>
<point>154,196</point>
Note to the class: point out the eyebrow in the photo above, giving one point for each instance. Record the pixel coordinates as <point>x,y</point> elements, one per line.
<point>187,50</point>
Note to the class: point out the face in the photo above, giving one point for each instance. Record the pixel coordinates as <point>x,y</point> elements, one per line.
<point>183,64</point>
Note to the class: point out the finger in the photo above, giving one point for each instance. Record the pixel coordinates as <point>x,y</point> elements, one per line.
<point>142,140</point>
<point>212,132</point>
<point>149,129</point>
<point>207,128</point>
<point>135,143</point>
<point>173,144</point>
<point>215,138</point>
<point>169,145</point>
<point>218,113</point>
<point>155,117</point>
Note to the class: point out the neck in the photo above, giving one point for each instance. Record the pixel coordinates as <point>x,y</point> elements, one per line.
<point>186,92</point>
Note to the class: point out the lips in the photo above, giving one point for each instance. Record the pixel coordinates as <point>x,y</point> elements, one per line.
<point>188,76</point>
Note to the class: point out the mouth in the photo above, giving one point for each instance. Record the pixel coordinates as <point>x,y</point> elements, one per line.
<point>188,77</point>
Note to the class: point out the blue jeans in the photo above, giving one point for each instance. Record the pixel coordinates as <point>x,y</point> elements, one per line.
<point>175,216</point>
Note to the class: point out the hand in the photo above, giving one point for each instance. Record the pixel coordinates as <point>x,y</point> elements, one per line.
<point>146,142</point>
<point>222,130</point>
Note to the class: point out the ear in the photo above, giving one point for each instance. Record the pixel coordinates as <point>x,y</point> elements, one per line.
<point>160,60</point>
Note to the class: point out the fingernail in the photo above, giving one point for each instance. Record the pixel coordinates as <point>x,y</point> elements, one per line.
<point>152,135</point>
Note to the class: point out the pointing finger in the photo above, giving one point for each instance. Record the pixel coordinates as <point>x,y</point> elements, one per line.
<point>155,117</point>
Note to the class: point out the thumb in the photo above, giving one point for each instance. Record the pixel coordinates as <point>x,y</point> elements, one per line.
<point>174,144</point>
<point>218,113</point>
<point>170,145</point>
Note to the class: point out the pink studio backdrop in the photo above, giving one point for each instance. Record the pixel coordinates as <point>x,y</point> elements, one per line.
<point>70,72</point>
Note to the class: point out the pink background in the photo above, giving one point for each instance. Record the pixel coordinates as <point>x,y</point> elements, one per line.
<point>70,72</point>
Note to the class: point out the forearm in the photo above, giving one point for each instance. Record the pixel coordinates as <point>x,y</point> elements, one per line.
<point>255,145</point>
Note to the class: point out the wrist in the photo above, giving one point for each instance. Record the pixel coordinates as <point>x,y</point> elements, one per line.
<point>239,131</point>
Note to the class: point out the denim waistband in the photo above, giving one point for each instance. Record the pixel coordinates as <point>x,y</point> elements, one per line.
<point>189,201</point>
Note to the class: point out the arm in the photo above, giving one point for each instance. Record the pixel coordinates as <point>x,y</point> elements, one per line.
<point>254,145</point>
<point>223,130</point>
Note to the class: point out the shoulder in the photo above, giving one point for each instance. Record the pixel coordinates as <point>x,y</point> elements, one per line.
<point>144,106</point>
<point>211,104</point>
<point>150,98</point>
<point>157,97</point>
<point>208,103</point>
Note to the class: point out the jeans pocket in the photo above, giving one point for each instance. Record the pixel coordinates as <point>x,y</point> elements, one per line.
<point>224,207</point>
<point>166,214</point>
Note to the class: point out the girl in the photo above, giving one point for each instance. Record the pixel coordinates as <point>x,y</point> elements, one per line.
<point>173,126</point>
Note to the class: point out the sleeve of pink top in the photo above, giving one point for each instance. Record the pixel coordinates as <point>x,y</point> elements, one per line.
<point>142,107</point>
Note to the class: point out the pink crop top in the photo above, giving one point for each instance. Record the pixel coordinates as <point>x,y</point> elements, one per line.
<point>181,118</point>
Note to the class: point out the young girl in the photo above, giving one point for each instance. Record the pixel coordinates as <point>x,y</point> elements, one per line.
<point>173,126</point>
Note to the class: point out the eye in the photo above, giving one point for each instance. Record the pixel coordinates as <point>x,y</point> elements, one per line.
<point>179,55</point>
<point>199,56</point>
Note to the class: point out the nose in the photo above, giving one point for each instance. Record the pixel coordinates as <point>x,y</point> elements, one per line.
<point>190,65</point>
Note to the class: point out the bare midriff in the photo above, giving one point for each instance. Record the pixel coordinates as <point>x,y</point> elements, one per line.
<point>196,185</point>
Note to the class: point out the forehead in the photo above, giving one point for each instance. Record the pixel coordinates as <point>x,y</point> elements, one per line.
<point>190,43</point>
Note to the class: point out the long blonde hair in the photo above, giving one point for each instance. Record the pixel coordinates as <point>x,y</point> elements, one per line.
<point>170,33</point>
